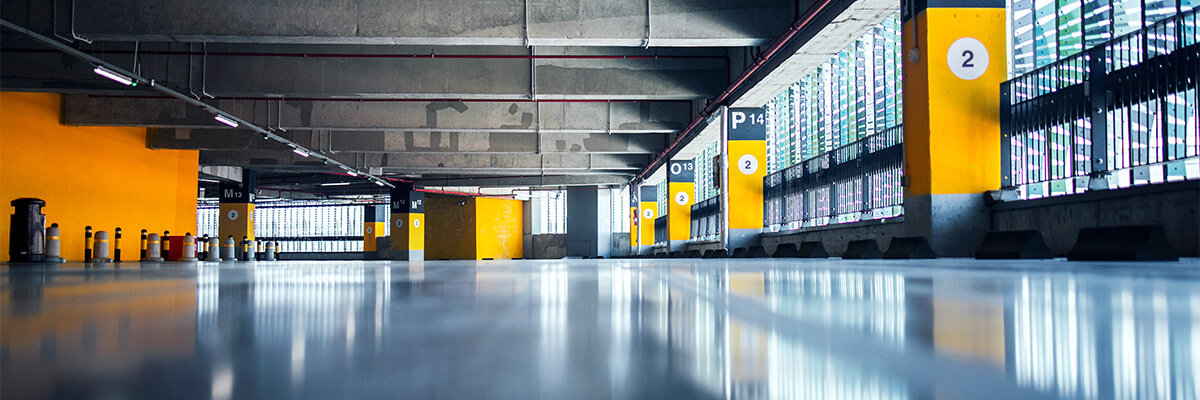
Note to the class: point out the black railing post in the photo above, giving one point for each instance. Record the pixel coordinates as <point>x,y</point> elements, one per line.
<point>1097,94</point>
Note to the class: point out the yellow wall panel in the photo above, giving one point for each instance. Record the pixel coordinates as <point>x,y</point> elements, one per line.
<point>99,176</point>
<point>646,225</point>
<point>500,228</point>
<point>745,190</point>
<point>450,227</point>
<point>680,214</point>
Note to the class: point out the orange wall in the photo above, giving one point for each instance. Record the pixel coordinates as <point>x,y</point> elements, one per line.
<point>99,176</point>
<point>500,229</point>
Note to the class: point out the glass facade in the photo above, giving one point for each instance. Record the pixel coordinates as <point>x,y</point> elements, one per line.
<point>299,226</point>
<point>834,138</point>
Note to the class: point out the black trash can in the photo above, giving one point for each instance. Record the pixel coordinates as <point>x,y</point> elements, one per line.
<point>27,236</point>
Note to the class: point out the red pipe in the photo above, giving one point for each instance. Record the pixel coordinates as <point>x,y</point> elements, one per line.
<point>778,44</point>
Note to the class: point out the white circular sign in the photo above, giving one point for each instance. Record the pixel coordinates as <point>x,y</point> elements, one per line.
<point>370,230</point>
<point>748,164</point>
<point>233,215</point>
<point>416,223</point>
<point>648,214</point>
<point>676,169</point>
<point>399,223</point>
<point>968,58</point>
<point>681,198</point>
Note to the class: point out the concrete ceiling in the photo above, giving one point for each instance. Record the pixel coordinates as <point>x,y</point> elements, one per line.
<point>497,93</point>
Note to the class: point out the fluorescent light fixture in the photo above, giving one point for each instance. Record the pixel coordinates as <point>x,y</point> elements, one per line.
<point>299,152</point>
<point>351,172</point>
<point>225,120</point>
<point>380,183</point>
<point>336,184</point>
<point>110,74</point>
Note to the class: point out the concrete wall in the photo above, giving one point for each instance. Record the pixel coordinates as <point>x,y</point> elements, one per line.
<point>1175,207</point>
<point>836,239</point>
<point>548,247</point>
<point>620,244</point>
<point>99,176</point>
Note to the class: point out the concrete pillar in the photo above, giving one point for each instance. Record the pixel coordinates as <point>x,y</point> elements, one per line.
<point>375,219</point>
<point>408,223</point>
<point>744,170</point>
<point>589,226</point>
<point>681,190</point>
<point>955,58</point>
<point>648,207</point>
<point>237,207</point>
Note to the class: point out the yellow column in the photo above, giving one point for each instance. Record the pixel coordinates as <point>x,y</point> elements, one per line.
<point>374,225</point>
<point>681,185</point>
<point>746,150</point>
<point>237,209</point>
<point>649,211</point>
<point>408,224</point>
<point>955,57</point>
<point>634,217</point>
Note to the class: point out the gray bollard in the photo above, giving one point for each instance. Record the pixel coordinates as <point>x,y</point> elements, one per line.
<point>227,249</point>
<point>251,255</point>
<point>269,254</point>
<point>189,248</point>
<point>153,249</point>
<point>202,248</point>
<point>53,244</point>
<point>214,250</point>
<point>101,250</point>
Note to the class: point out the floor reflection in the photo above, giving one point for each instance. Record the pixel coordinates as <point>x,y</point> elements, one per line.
<point>940,329</point>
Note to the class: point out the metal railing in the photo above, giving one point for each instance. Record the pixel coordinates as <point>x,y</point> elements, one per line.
<point>662,230</point>
<point>1116,115</point>
<point>856,182</point>
<point>706,224</point>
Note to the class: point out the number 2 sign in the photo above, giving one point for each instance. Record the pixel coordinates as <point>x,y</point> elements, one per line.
<point>968,58</point>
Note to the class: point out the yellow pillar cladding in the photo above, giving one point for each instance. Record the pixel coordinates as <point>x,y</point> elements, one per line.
<point>649,211</point>
<point>237,209</point>
<point>955,60</point>
<point>374,225</point>
<point>633,218</point>
<point>408,223</point>
<point>680,187</point>
<point>747,150</point>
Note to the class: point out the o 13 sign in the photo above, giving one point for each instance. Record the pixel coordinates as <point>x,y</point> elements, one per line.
<point>968,58</point>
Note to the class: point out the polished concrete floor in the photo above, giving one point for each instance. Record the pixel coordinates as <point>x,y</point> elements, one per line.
<point>578,329</point>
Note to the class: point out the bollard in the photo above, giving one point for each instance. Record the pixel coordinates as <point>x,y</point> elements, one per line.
<point>278,249</point>
<point>258,254</point>
<point>153,249</point>
<point>166,245</point>
<point>203,256</point>
<point>87,243</point>
<point>143,255</point>
<point>269,254</point>
<point>214,247</point>
<point>251,254</point>
<point>189,247</point>
<point>101,247</point>
<point>53,244</point>
<point>227,249</point>
<point>117,246</point>
<point>245,254</point>
<point>26,237</point>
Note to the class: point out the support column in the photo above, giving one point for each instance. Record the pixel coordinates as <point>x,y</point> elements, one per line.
<point>648,196</point>
<point>237,208</point>
<point>746,155</point>
<point>408,223</point>
<point>681,186</point>
<point>589,233</point>
<point>634,217</point>
<point>375,219</point>
<point>955,60</point>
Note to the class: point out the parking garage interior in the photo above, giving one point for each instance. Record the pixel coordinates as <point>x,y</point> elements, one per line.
<point>812,199</point>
